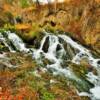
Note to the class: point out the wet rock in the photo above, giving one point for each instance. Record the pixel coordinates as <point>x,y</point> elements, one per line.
<point>46,45</point>
<point>3,47</point>
<point>70,51</point>
<point>36,43</point>
<point>58,47</point>
<point>46,62</point>
<point>85,62</point>
<point>98,62</point>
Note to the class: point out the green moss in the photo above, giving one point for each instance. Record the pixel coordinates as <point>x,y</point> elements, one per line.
<point>48,96</point>
<point>24,3</point>
<point>79,70</point>
<point>3,48</point>
<point>82,84</point>
<point>45,95</point>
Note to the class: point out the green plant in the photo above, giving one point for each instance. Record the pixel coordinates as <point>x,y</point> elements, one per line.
<point>47,96</point>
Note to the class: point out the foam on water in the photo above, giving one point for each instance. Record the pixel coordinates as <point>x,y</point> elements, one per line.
<point>96,92</point>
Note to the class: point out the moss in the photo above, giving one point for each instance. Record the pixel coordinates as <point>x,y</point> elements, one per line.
<point>79,70</point>
<point>81,85</point>
<point>45,95</point>
<point>3,47</point>
<point>53,29</point>
<point>9,27</point>
<point>24,3</point>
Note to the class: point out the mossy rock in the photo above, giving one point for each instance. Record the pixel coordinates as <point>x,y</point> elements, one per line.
<point>79,70</point>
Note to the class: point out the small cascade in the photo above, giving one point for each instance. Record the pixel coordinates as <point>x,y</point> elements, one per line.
<point>12,42</point>
<point>83,52</point>
<point>53,53</point>
<point>4,41</point>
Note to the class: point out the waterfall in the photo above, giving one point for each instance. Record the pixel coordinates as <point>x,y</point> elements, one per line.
<point>13,42</point>
<point>56,56</point>
<point>58,49</point>
<point>55,53</point>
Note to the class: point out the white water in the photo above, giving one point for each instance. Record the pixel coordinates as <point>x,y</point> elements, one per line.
<point>51,55</point>
<point>83,52</point>
<point>46,1</point>
<point>56,57</point>
<point>2,39</point>
<point>56,66</point>
<point>15,40</point>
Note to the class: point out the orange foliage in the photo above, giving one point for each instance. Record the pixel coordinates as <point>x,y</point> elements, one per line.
<point>22,26</point>
<point>6,7</point>
<point>8,96</point>
<point>22,94</point>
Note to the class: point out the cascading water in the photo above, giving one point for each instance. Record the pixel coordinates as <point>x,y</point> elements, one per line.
<point>58,49</point>
<point>56,56</point>
<point>12,41</point>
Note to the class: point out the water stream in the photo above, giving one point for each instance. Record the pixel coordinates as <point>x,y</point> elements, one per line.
<point>57,49</point>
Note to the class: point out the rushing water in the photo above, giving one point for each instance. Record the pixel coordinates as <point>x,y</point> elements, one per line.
<point>53,48</point>
<point>13,42</point>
